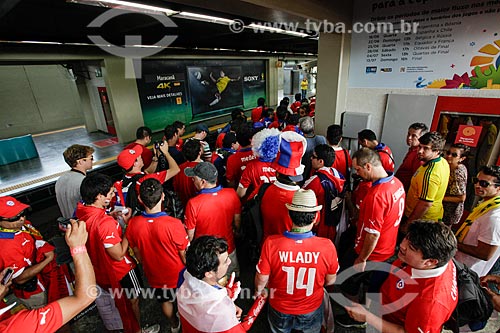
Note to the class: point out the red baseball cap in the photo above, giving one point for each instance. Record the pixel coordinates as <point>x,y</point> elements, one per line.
<point>10,207</point>
<point>127,157</point>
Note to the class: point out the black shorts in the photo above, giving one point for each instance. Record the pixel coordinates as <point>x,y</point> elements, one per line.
<point>163,295</point>
<point>132,283</point>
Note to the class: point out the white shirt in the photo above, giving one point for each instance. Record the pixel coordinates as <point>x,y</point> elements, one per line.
<point>487,230</point>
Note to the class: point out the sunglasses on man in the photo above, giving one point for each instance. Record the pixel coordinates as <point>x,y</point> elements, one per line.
<point>483,183</point>
<point>15,218</point>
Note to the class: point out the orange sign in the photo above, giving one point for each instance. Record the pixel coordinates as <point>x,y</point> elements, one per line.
<point>468,135</point>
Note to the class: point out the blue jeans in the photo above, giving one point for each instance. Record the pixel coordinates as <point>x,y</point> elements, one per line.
<point>284,323</point>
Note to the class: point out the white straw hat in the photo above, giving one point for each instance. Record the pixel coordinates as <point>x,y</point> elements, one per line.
<point>304,201</point>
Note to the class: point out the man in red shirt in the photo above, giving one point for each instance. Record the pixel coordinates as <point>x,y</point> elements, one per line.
<point>322,159</point>
<point>215,211</point>
<point>113,266</point>
<point>295,266</point>
<point>50,318</point>
<point>368,139</point>
<point>130,160</point>
<point>411,162</point>
<point>421,291</point>
<point>157,238</point>
<point>25,251</point>
<point>343,162</point>
<point>183,185</point>
<point>259,171</point>
<point>143,137</point>
<point>237,162</point>
<point>289,171</point>
<point>257,112</point>
<point>378,222</point>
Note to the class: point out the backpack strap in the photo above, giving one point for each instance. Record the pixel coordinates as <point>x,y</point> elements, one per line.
<point>259,226</point>
<point>383,151</point>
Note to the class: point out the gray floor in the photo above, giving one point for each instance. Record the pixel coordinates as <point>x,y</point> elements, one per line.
<point>46,168</point>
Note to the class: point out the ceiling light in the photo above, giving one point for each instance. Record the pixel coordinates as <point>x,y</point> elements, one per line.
<point>204,18</point>
<point>126,5</point>
<point>260,27</point>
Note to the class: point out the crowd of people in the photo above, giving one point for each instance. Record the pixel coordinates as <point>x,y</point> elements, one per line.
<point>176,215</point>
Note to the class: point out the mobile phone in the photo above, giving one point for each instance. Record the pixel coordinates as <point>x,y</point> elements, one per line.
<point>63,222</point>
<point>7,276</point>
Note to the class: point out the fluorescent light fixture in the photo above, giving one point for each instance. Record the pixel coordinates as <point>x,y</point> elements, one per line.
<point>132,6</point>
<point>204,18</point>
<point>260,27</point>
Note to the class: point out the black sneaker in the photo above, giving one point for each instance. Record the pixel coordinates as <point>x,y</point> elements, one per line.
<point>346,321</point>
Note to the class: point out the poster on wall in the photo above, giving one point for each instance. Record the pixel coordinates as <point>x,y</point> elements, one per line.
<point>194,90</point>
<point>433,44</point>
<point>468,135</point>
<point>215,88</point>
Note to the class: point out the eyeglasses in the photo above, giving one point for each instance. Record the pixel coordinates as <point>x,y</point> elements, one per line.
<point>15,218</point>
<point>452,154</point>
<point>88,158</point>
<point>483,183</point>
<point>314,157</point>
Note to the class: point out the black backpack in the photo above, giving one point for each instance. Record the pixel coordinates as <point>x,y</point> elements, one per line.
<point>474,303</point>
<point>132,198</point>
<point>173,204</point>
<point>252,225</point>
<point>334,201</point>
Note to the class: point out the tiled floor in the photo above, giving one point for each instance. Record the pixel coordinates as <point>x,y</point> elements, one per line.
<point>47,167</point>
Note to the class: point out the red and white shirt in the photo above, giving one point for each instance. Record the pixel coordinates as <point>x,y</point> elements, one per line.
<point>386,157</point>
<point>184,185</point>
<point>275,216</point>
<point>380,213</point>
<point>212,212</point>
<point>237,162</point>
<point>20,251</point>
<point>255,174</point>
<point>104,232</point>
<point>159,238</point>
<point>420,300</point>
<point>47,319</point>
<point>340,163</point>
<point>297,265</point>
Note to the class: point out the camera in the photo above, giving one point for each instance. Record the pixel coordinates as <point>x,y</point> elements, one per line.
<point>158,144</point>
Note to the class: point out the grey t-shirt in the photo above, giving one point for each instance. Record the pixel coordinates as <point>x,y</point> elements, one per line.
<point>68,192</point>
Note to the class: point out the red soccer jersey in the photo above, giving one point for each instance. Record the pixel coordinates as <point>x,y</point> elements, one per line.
<point>19,251</point>
<point>422,300</point>
<point>386,157</point>
<point>220,139</point>
<point>274,212</point>
<point>212,213</point>
<point>340,161</point>
<point>295,106</point>
<point>104,232</point>
<point>297,265</point>
<point>380,213</point>
<point>408,167</point>
<point>314,183</point>
<point>159,239</point>
<point>184,185</point>
<point>256,114</point>
<point>47,319</point>
<point>237,162</point>
<point>255,174</point>
<point>147,155</point>
<point>179,144</point>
